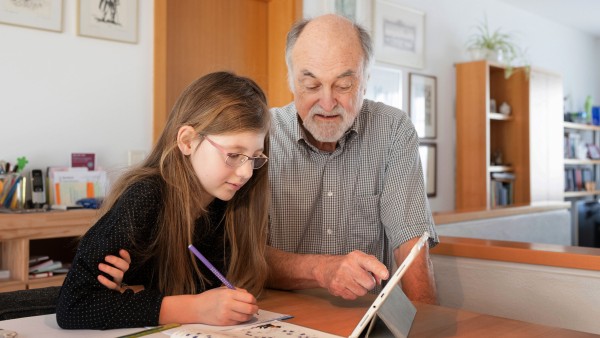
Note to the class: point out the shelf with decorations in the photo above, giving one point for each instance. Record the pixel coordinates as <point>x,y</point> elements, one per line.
<point>582,159</point>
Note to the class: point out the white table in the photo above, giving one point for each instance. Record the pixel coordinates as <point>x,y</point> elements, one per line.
<point>46,326</point>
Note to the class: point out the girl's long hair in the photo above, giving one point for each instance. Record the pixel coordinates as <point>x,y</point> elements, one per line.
<point>217,103</point>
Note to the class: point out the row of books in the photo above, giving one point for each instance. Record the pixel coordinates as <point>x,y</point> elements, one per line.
<point>501,186</point>
<point>43,266</point>
<point>576,178</point>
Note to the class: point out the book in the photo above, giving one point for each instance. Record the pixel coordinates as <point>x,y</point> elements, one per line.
<point>40,264</point>
<point>53,265</point>
<point>262,318</point>
<point>35,259</point>
<point>64,269</point>
<point>87,160</point>
<point>41,275</point>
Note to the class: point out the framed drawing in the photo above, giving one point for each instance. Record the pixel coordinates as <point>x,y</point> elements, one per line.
<point>399,34</point>
<point>422,104</point>
<point>42,14</point>
<point>385,85</point>
<point>427,152</point>
<point>109,19</point>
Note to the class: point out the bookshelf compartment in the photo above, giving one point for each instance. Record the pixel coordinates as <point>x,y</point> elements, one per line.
<point>51,233</point>
<point>61,249</point>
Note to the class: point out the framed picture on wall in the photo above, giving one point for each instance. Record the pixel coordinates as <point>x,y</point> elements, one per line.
<point>399,34</point>
<point>422,104</point>
<point>427,152</point>
<point>385,85</point>
<point>39,14</point>
<point>109,19</point>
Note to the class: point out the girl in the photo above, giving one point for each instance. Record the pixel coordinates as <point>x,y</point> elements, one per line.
<point>204,183</point>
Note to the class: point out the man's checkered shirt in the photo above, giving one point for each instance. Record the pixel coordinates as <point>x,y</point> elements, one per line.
<point>367,195</point>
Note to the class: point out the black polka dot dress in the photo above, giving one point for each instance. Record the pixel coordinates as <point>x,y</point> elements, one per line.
<point>84,303</point>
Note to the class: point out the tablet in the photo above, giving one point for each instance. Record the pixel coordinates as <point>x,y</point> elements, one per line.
<point>387,290</point>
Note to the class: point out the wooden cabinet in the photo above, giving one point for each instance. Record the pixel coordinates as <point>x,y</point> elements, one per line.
<point>193,38</point>
<point>18,231</point>
<point>522,143</point>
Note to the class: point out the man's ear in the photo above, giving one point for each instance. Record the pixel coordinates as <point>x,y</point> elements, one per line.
<point>185,136</point>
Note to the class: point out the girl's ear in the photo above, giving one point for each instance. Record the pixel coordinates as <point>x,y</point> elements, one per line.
<point>185,136</point>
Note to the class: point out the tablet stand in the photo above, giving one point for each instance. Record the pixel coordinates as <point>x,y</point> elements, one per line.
<point>394,318</point>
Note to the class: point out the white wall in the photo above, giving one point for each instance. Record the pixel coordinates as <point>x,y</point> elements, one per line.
<point>62,93</point>
<point>448,25</point>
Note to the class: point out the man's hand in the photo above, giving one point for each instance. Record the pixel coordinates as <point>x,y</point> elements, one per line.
<point>350,276</point>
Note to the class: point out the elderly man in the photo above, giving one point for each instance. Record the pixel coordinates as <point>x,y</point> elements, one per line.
<point>347,187</point>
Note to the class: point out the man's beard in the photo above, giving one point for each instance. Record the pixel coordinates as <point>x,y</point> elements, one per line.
<point>324,131</point>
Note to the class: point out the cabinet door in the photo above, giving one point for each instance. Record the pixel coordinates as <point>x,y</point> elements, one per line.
<point>196,37</point>
<point>546,141</point>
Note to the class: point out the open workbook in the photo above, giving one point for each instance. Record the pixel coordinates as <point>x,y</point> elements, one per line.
<point>266,324</point>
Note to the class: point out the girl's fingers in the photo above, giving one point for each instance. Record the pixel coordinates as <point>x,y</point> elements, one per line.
<point>108,283</point>
<point>125,255</point>
<point>115,273</point>
<point>117,262</point>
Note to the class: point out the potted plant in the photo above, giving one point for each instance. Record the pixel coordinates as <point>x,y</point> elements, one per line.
<point>496,46</point>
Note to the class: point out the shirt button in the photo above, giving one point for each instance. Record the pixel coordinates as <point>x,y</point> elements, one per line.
<point>329,193</point>
<point>329,231</point>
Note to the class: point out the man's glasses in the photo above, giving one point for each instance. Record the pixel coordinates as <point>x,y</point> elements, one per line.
<point>236,160</point>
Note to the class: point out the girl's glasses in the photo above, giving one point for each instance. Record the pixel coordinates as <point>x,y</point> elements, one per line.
<point>236,160</point>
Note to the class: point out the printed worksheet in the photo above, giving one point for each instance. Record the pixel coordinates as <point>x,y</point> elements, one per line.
<point>274,329</point>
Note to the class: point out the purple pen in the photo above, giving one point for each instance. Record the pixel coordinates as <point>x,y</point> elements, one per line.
<point>210,266</point>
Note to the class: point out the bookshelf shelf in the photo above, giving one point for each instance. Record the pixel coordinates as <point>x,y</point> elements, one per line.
<point>46,281</point>
<point>572,194</point>
<point>574,161</point>
<point>581,126</point>
<point>500,117</point>
<point>500,168</point>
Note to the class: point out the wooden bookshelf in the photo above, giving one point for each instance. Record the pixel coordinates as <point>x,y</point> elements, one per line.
<point>480,133</point>
<point>527,138</point>
<point>17,231</point>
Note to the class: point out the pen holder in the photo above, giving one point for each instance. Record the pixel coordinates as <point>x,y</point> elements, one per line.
<point>13,194</point>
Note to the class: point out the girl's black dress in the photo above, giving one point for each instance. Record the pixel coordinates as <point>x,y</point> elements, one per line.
<point>84,303</point>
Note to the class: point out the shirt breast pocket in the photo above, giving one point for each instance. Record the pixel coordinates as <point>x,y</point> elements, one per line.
<point>365,228</point>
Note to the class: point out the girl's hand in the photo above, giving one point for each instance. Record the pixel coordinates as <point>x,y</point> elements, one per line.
<point>116,268</point>
<point>220,306</point>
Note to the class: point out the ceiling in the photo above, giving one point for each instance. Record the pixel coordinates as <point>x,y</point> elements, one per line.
<point>583,15</point>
